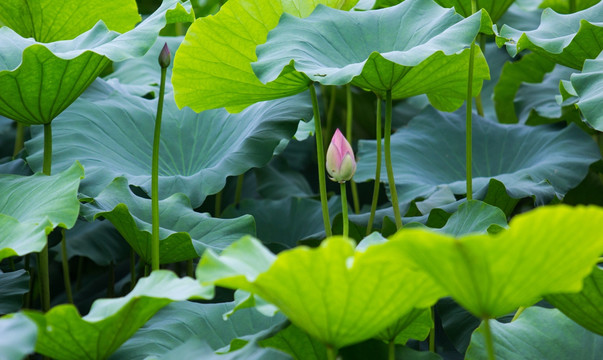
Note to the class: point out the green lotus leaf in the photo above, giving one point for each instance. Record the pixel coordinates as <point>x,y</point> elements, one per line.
<point>563,6</point>
<point>31,206</point>
<point>336,48</point>
<point>181,321</point>
<point>295,342</point>
<point>40,80</point>
<point>110,322</point>
<point>589,86</point>
<point>289,230</point>
<point>430,154</point>
<point>113,132</point>
<point>183,234</point>
<point>353,294</point>
<point>51,20</point>
<point>474,217</point>
<point>99,241</point>
<point>538,333</point>
<point>13,286</point>
<point>215,71</point>
<point>18,339</point>
<point>414,325</point>
<point>249,351</point>
<point>495,8</point>
<point>545,251</point>
<point>585,307</point>
<point>565,39</point>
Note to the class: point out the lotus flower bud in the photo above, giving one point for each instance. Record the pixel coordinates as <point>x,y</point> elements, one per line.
<point>341,164</point>
<point>164,57</point>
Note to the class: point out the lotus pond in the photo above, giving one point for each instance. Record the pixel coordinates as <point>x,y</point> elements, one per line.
<point>301,179</point>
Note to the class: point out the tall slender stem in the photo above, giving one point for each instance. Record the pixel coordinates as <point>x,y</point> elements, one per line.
<point>348,135</point>
<point>369,227</point>
<point>28,296</point>
<point>388,159</point>
<point>155,176</point>
<point>320,155</point>
<point>44,276</point>
<point>132,269</point>
<point>218,204</point>
<point>344,210</point>
<point>239,190</point>
<point>66,277</point>
<point>468,123</point>
<point>432,331</point>
<point>331,353</point>
<point>190,271</point>
<point>391,351</point>
<point>488,339</point>
<point>518,312</point>
<point>19,139</point>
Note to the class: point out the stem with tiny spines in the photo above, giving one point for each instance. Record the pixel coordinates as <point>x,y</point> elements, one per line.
<point>43,256</point>
<point>377,169</point>
<point>155,176</point>
<point>468,122</point>
<point>518,312</point>
<point>344,209</point>
<point>320,155</point>
<point>388,159</point>
<point>348,135</point>
<point>66,277</point>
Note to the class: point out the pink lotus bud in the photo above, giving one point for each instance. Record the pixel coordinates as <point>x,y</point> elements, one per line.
<point>164,57</point>
<point>341,164</point>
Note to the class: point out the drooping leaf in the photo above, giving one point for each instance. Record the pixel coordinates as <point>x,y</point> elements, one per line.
<point>110,322</point>
<point>215,71</point>
<point>113,133</point>
<point>250,351</point>
<point>181,321</point>
<point>353,294</point>
<point>565,39</point>
<point>99,241</point>
<point>542,162</point>
<point>40,80</point>
<point>474,217</point>
<point>589,86</point>
<point>297,343</point>
<point>300,218</point>
<point>18,338</point>
<point>545,251</point>
<point>279,181</point>
<point>336,48</point>
<point>184,234</point>
<point>31,206</point>
<point>495,8</point>
<point>585,307</point>
<point>51,20</point>
<point>538,333</point>
<point>13,286</point>
<point>414,325</point>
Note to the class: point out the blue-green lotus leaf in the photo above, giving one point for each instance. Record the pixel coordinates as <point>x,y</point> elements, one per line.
<point>495,8</point>
<point>589,87</point>
<point>13,285</point>
<point>18,339</point>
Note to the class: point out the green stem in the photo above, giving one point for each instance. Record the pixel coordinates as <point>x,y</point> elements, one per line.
<point>468,126</point>
<point>218,204</point>
<point>344,210</point>
<point>66,277</point>
<point>320,155</point>
<point>19,139</point>
<point>432,332</point>
<point>239,190</point>
<point>31,276</point>
<point>44,276</point>
<point>369,227</point>
<point>331,353</point>
<point>391,353</point>
<point>348,135</point>
<point>518,312</point>
<point>388,159</point>
<point>489,341</point>
<point>155,176</point>
<point>132,269</point>
<point>190,268</point>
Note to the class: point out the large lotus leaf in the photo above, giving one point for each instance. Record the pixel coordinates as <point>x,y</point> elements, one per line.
<point>110,322</point>
<point>41,80</point>
<point>566,39</point>
<point>585,307</point>
<point>474,217</point>
<point>31,206</point>
<point>563,6</point>
<point>215,71</point>
<point>181,321</point>
<point>335,48</point>
<point>18,338</point>
<point>299,218</point>
<point>295,342</point>
<point>193,348</point>
<point>589,86</point>
<point>538,333</point>
<point>495,8</point>
<point>183,233</point>
<point>334,293</point>
<point>414,325</point>
<point>13,286</point>
<point>99,241</point>
<point>429,153</point>
<point>113,134</point>
<point>545,251</point>
<point>54,20</point>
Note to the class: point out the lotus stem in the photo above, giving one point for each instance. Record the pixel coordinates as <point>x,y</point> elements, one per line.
<point>488,339</point>
<point>518,312</point>
<point>344,210</point>
<point>132,269</point>
<point>468,124</point>
<point>369,227</point>
<point>331,353</point>
<point>388,159</point>
<point>19,139</point>
<point>391,350</point>
<point>348,135</point>
<point>43,257</point>
<point>218,204</point>
<point>190,272</point>
<point>320,155</point>
<point>239,190</point>
<point>65,261</point>
<point>432,332</point>
<point>155,176</point>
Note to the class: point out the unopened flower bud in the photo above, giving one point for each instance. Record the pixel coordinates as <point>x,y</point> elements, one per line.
<point>164,57</point>
<point>341,164</point>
